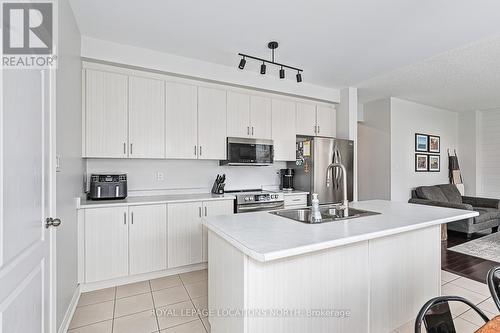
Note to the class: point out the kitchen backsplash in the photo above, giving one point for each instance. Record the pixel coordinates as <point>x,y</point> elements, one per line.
<point>184,175</point>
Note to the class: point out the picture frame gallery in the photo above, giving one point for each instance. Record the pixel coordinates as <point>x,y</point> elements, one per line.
<point>427,156</point>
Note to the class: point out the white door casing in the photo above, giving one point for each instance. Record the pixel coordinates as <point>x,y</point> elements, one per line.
<point>27,198</point>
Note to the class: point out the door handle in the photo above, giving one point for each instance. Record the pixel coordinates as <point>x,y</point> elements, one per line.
<point>124,148</point>
<point>132,217</point>
<point>252,130</point>
<point>52,222</point>
<point>199,211</point>
<point>131,146</point>
<point>200,151</point>
<point>124,218</point>
<point>194,150</point>
<point>318,129</point>
<point>248,130</point>
<point>205,211</point>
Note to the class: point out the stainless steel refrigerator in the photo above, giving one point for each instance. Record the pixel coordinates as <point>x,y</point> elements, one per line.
<point>314,154</point>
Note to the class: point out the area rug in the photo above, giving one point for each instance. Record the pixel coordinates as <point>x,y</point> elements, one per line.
<point>487,247</point>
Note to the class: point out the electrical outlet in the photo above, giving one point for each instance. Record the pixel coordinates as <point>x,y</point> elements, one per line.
<point>160,176</point>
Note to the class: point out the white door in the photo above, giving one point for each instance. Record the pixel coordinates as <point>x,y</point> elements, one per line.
<point>211,124</point>
<point>238,115</point>
<point>214,208</point>
<point>182,121</point>
<point>146,118</point>
<point>283,122</point>
<point>326,121</point>
<point>27,179</point>
<point>147,238</point>
<point>260,117</point>
<point>105,114</point>
<point>106,243</point>
<point>306,119</point>
<point>184,234</point>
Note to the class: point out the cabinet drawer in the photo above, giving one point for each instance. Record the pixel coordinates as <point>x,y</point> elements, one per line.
<point>295,200</point>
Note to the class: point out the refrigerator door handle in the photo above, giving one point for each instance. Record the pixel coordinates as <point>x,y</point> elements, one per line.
<point>338,159</point>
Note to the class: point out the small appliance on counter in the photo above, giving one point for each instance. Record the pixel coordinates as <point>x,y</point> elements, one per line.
<point>286,179</point>
<point>107,186</point>
<point>218,187</point>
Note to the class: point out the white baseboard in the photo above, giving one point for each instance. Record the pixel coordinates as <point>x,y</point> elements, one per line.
<point>70,311</point>
<point>85,287</point>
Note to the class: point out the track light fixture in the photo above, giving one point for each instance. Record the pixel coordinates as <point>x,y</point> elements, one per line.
<point>242,63</point>
<point>273,46</point>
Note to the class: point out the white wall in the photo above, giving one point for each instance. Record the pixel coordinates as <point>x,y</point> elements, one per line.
<point>408,118</point>
<point>468,141</point>
<point>374,153</point>
<point>150,59</point>
<point>68,146</point>
<point>489,154</point>
<point>186,174</point>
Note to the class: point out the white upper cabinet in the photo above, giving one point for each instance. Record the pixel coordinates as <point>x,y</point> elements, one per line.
<point>260,117</point>
<point>238,114</point>
<point>326,121</point>
<point>106,243</point>
<point>105,114</point>
<point>182,121</point>
<point>211,123</point>
<point>306,119</point>
<point>315,120</point>
<point>146,118</point>
<point>184,234</point>
<point>147,238</point>
<point>283,129</point>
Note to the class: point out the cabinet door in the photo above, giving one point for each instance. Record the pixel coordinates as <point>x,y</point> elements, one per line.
<point>260,117</point>
<point>184,234</point>
<point>105,114</point>
<point>182,121</point>
<point>326,121</point>
<point>211,124</point>
<point>106,243</point>
<point>283,129</point>
<point>238,114</point>
<point>146,118</point>
<point>306,119</point>
<point>147,238</point>
<point>214,208</point>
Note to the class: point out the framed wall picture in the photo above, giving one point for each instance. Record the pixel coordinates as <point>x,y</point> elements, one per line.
<point>434,163</point>
<point>421,142</point>
<point>434,144</point>
<point>421,162</point>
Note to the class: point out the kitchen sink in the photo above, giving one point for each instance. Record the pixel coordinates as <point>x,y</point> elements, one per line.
<point>328,214</point>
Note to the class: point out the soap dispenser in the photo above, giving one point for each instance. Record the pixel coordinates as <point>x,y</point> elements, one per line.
<point>315,216</point>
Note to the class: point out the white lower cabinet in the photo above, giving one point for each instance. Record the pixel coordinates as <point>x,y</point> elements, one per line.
<point>147,238</point>
<point>106,243</point>
<point>214,208</point>
<point>184,234</point>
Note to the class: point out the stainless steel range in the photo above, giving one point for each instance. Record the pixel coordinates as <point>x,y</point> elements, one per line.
<point>257,200</point>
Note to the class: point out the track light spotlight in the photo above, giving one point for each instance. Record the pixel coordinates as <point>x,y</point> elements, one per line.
<point>299,77</point>
<point>263,68</point>
<point>242,63</point>
<point>282,73</point>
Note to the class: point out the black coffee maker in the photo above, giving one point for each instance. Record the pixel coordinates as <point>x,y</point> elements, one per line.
<point>286,176</point>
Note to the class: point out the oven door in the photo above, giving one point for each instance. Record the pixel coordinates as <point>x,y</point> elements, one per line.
<point>260,207</point>
<point>242,151</point>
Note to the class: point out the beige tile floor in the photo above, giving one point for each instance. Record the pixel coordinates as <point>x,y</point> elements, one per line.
<point>151,306</point>
<point>174,304</point>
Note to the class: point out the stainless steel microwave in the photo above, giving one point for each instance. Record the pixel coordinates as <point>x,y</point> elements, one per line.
<point>241,151</point>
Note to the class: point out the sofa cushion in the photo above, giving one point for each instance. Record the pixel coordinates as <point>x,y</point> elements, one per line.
<point>433,193</point>
<point>451,192</point>
<point>486,214</point>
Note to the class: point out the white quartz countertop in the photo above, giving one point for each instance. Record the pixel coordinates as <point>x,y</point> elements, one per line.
<point>265,237</point>
<point>149,200</point>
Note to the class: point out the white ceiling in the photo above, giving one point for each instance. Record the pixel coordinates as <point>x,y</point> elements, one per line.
<point>338,42</point>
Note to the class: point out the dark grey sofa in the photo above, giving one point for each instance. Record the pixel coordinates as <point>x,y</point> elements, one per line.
<point>447,195</point>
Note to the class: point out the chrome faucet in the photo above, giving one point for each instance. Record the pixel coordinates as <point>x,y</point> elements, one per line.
<point>345,202</point>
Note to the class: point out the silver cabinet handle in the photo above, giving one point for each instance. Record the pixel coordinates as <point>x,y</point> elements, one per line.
<point>199,211</point>
<point>248,130</point>
<point>200,151</point>
<point>252,130</point>
<point>318,129</point>
<point>205,210</point>
<point>124,218</point>
<point>124,148</point>
<point>195,150</point>
<point>131,146</point>
<point>132,217</point>
<point>52,222</point>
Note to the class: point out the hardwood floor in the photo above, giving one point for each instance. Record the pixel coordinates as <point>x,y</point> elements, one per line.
<point>461,264</point>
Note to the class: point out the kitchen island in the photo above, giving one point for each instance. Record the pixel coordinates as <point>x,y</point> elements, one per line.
<point>370,274</point>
